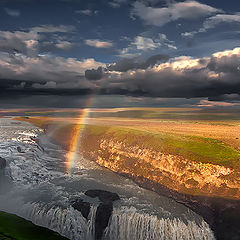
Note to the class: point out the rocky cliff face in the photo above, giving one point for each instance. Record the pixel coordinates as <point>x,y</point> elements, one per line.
<point>117,150</point>
<point>212,191</point>
<point>172,171</point>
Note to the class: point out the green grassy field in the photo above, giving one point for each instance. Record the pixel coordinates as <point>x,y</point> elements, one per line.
<point>198,149</point>
<point>13,227</point>
<point>195,148</point>
<point>193,114</point>
<point>181,114</point>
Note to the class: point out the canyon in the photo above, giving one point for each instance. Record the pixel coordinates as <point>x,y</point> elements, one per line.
<point>211,190</point>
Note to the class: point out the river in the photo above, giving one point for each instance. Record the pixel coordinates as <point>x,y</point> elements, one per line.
<point>42,191</point>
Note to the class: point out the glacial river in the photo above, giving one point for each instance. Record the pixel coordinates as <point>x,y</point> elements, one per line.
<point>40,190</point>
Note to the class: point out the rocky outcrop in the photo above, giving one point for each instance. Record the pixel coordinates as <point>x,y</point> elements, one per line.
<point>3,163</point>
<point>173,171</point>
<point>104,196</point>
<point>103,214</point>
<point>82,206</point>
<point>5,181</point>
<point>104,209</point>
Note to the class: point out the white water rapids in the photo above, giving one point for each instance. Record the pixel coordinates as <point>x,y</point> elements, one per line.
<point>40,190</point>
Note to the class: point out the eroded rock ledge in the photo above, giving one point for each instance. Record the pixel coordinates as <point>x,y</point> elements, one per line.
<point>104,209</point>
<point>175,172</point>
<point>212,191</point>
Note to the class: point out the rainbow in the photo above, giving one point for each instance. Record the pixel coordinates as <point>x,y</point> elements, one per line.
<point>76,137</point>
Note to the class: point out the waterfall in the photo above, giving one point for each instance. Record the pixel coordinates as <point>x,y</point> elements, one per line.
<point>42,193</point>
<point>125,224</point>
<point>128,224</point>
<point>91,222</point>
<point>67,222</point>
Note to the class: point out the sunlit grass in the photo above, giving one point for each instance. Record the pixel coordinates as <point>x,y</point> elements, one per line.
<point>161,113</point>
<point>198,149</point>
<point>195,148</point>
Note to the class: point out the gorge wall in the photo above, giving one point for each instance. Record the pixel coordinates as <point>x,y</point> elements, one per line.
<point>173,171</point>
<point>210,190</point>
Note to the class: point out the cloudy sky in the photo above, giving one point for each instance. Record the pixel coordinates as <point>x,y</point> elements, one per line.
<point>150,52</point>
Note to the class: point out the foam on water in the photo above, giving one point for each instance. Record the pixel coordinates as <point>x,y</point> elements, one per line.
<point>130,224</point>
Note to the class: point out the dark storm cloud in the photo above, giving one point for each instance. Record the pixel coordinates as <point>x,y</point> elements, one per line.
<point>46,72</point>
<point>8,83</point>
<point>225,64</point>
<point>157,76</point>
<point>45,99</point>
<point>94,74</point>
<point>234,97</point>
<point>126,64</point>
<point>183,77</point>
